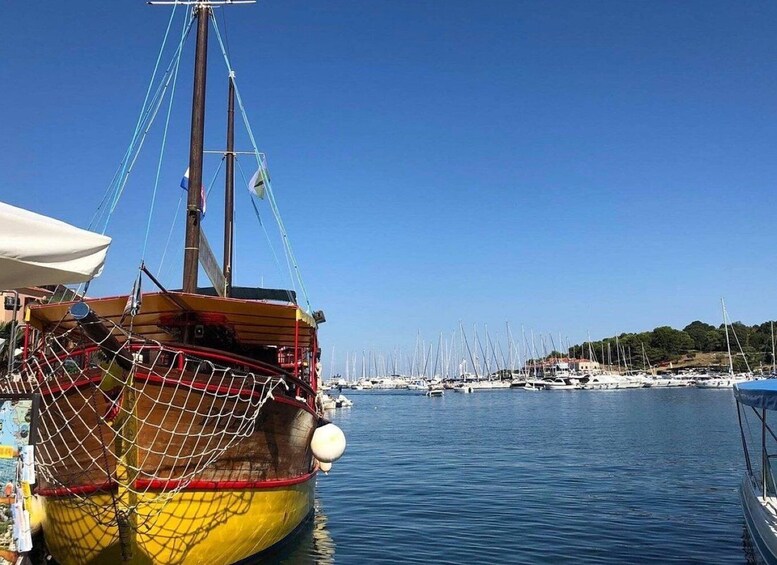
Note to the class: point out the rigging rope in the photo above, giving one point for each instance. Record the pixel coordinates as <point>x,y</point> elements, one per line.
<point>263,171</point>
<point>214,177</point>
<point>170,233</point>
<point>259,219</point>
<point>164,143</point>
<point>140,118</point>
<point>148,114</point>
<point>152,113</point>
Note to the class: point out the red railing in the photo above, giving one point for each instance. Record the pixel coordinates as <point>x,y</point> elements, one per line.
<point>185,354</point>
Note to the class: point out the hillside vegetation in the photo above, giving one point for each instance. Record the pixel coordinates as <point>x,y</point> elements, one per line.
<point>697,345</point>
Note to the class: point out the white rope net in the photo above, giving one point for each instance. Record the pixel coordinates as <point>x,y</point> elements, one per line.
<point>138,434</point>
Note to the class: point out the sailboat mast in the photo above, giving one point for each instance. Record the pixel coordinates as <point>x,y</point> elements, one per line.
<point>193,202</point>
<point>728,342</point>
<point>229,189</point>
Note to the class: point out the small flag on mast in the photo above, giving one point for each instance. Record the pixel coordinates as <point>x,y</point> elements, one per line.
<point>185,180</point>
<point>256,184</point>
<point>185,186</point>
<point>134,300</point>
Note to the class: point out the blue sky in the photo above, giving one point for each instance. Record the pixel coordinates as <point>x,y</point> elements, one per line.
<point>573,167</point>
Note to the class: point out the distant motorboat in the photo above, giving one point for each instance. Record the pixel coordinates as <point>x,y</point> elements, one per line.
<point>343,402</point>
<point>362,384</point>
<point>727,381</point>
<point>465,388</point>
<point>489,384</point>
<point>535,384</point>
<point>432,392</point>
<point>561,384</point>
<point>603,381</point>
<point>329,402</point>
<point>668,382</point>
<point>636,380</point>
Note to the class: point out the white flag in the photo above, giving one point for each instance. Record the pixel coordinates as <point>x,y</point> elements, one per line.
<point>256,184</point>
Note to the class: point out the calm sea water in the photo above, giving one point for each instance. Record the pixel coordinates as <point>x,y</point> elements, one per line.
<point>532,477</point>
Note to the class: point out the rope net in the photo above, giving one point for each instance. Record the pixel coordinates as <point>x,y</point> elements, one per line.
<point>137,424</point>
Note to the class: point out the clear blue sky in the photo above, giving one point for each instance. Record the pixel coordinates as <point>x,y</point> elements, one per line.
<point>573,167</point>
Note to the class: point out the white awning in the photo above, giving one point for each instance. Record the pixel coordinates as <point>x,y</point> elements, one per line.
<point>37,250</point>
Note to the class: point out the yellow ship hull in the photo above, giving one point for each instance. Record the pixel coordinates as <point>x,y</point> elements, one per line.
<point>222,526</point>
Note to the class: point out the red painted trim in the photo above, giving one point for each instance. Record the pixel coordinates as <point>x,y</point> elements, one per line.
<point>224,485</point>
<point>173,382</point>
<point>77,490</point>
<point>163,485</point>
<point>314,372</point>
<point>264,370</point>
<point>26,341</point>
<point>296,403</point>
<point>194,385</point>
<point>296,348</point>
<point>74,385</point>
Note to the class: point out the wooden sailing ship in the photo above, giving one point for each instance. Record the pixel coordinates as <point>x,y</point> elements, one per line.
<point>176,429</point>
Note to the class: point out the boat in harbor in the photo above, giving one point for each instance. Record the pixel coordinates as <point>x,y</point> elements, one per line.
<point>731,379</point>
<point>178,426</point>
<point>722,381</point>
<point>603,381</point>
<point>757,403</point>
<point>329,402</point>
<point>560,383</point>
<point>670,381</point>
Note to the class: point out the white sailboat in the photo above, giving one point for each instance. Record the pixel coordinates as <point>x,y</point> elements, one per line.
<point>727,381</point>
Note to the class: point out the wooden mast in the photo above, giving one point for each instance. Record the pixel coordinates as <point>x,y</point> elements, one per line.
<point>193,202</point>
<point>229,189</point>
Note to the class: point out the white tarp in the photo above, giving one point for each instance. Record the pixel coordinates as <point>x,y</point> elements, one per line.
<point>37,250</point>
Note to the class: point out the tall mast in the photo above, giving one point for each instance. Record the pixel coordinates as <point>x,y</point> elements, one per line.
<point>193,202</point>
<point>728,342</point>
<point>229,189</point>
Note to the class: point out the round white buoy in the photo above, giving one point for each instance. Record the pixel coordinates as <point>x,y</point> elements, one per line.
<point>325,467</point>
<point>328,443</point>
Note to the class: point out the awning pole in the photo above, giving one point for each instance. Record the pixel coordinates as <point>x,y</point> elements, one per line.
<point>296,347</point>
<point>764,456</point>
<point>744,440</point>
<point>12,331</point>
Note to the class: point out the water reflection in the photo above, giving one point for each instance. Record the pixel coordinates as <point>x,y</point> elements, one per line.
<point>748,548</point>
<point>311,544</point>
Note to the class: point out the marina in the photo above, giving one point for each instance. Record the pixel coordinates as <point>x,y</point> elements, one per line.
<point>426,337</point>
<point>571,381</point>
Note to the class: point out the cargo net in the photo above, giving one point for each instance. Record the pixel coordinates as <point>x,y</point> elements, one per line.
<point>121,431</point>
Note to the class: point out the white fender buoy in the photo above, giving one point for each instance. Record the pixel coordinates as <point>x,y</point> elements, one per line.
<point>328,443</point>
<point>325,467</point>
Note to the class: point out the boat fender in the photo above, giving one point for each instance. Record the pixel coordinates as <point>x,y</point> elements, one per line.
<point>328,443</point>
<point>325,467</point>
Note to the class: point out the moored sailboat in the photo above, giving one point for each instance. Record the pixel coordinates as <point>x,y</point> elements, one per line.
<point>178,426</point>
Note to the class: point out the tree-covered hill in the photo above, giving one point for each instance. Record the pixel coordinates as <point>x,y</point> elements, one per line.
<point>750,345</point>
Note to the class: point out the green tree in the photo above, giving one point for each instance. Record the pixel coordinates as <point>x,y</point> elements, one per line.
<point>714,341</point>
<point>671,341</point>
<point>698,331</point>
